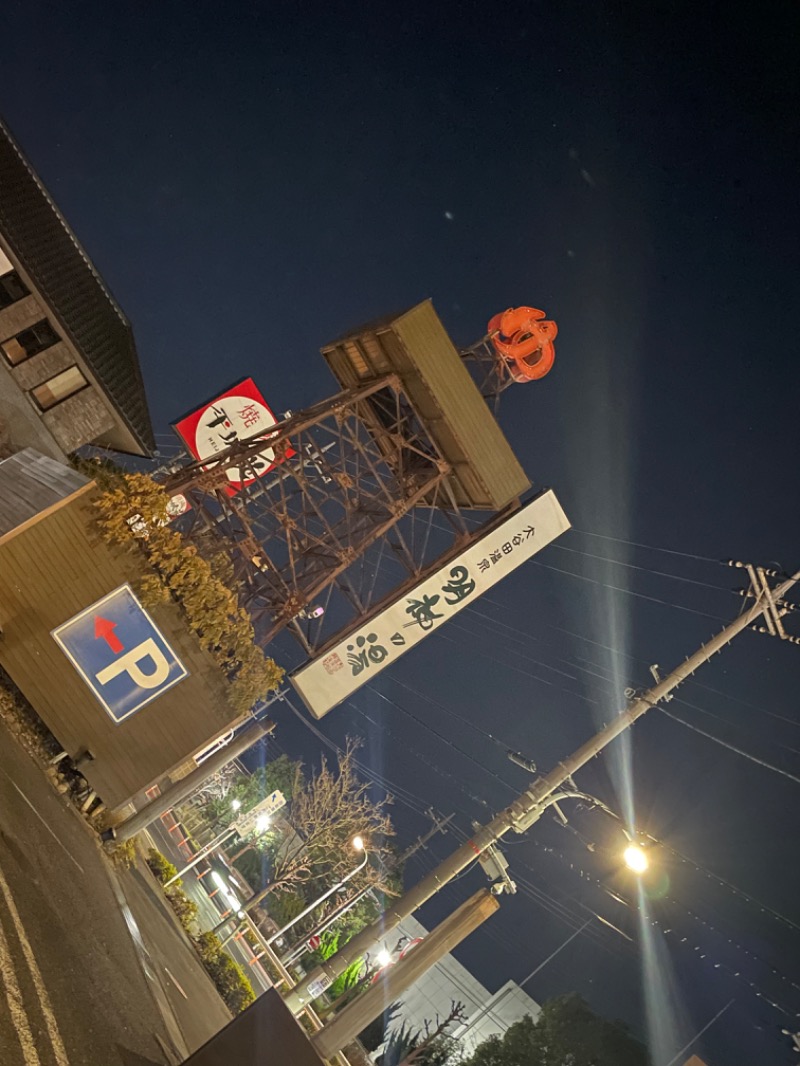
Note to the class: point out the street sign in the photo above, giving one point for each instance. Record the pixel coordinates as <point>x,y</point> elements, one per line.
<point>316,988</point>
<point>357,658</point>
<point>273,802</point>
<point>120,653</point>
<point>314,942</point>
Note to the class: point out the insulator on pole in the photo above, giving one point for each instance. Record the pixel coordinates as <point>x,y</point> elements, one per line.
<point>526,764</point>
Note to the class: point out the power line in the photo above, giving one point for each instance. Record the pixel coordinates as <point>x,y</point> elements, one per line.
<point>372,775</point>
<point>515,636</point>
<point>423,758</point>
<point>730,747</point>
<point>747,703</point>
<point>446,740</point>
<point>736,725</point>
<point>525,673</point>
<point>628,592</point>
<point>666,930</point>
<point>644,569</point>
<point>648,547</point>
<point>453,714</point>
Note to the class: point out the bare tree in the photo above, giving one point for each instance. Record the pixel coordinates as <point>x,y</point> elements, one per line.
<point>408,1048</point>
<point>215,787</point>
<point>327,812</point>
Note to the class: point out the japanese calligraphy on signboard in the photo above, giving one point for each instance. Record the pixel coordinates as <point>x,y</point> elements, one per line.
<point>235,415</point>
<point>337,673</point>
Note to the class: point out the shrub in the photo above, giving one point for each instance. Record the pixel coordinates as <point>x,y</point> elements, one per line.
<point>124,855</point>
<point>131,509</point>
<point>185,908</point>
<point>232,982</point>
<point>162,869</point>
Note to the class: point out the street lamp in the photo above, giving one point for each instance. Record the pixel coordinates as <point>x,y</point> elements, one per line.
<point>236,804</point>
<point>383,958</point>
<point>358,844</point>
<point>636,858</point>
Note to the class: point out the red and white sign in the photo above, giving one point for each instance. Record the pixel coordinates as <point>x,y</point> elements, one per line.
<point>236,415</point>
<point>314,942</point>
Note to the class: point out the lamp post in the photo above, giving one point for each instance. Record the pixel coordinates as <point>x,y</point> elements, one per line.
<point>358,844</point>
<point>322,927</point>
<point>634,856</point>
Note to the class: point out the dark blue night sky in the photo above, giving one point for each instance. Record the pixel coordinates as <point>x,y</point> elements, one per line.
<point>251,180</point>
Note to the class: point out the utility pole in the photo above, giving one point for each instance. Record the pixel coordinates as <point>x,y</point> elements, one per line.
<point>439,826</point>
<point>529,807</point>
<point>350,1020</point>
<point>183,788</point>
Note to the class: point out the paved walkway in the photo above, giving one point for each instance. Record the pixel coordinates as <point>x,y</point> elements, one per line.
<point>93,972</point>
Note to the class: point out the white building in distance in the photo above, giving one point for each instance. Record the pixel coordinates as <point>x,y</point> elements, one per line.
<point>433,994</point>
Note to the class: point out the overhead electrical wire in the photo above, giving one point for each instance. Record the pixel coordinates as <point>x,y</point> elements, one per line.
<point>644,569</point>
<point>558,910</point>
<point>397,791</point>
<point>627,592</point>
<point>516,636</point>
<point>731,747</point>
<point>701,950</point>
<point>440,772</point>
<point>446,740</point>
<point>747,703</point>
<point>518,669</point>
<point>648,547</point>
<point>503,745</point>
<point>736,725</point>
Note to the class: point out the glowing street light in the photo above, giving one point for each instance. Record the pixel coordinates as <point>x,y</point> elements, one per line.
<point>236,804</point>
<point>383,958</point>
<point>636,858</point>
<point>262,823</point>
<point>358,843</point>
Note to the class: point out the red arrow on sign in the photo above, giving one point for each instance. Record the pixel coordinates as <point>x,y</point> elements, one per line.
<point>104,630</point>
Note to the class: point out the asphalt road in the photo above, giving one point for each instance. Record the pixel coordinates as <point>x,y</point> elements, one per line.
<point>83,968</point>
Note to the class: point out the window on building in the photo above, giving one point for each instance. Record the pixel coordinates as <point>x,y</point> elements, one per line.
<point>30,342</point>
<point>12,288</point>
<point>63,385</point>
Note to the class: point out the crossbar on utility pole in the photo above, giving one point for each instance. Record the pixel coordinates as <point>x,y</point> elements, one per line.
<point>530,805</point>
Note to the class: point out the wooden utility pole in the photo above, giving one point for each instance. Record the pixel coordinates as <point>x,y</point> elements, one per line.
<point>182,789</point>
<point>349,1021</point>
<point>530,806</point>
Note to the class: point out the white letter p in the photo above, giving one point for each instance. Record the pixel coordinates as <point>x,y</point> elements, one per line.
<point>129,664</point>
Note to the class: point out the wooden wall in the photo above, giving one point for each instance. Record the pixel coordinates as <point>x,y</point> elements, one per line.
<point>52,568</point>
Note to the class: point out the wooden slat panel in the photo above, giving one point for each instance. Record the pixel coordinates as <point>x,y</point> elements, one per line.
<point>49,572</point>
<point>417,347</point>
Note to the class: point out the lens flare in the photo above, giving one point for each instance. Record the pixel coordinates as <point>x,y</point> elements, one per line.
<point>636,858</point>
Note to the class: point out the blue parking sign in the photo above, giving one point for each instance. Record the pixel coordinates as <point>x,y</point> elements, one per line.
<point>120,653</point>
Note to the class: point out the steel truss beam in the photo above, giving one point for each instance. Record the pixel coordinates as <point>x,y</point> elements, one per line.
<point>357,507</point>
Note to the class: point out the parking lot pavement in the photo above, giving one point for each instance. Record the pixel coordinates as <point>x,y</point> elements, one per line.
<point>87,977</point>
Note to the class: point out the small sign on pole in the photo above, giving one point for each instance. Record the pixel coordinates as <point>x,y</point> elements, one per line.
<point>314,942</point>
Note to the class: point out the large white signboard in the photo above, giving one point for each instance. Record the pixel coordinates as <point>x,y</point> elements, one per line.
<point>334,676</point>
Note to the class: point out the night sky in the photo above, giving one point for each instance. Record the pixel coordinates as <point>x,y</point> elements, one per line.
<point>252,180</point>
